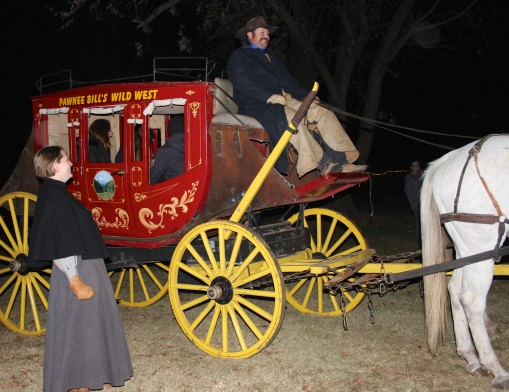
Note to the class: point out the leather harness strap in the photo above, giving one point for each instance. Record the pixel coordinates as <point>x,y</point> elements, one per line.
<point>472,218</point>
<point>476,153</point>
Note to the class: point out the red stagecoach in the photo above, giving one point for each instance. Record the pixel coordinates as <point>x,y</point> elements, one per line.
<point>230,239</point>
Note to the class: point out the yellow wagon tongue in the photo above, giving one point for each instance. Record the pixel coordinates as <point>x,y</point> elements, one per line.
<point>272,158</point>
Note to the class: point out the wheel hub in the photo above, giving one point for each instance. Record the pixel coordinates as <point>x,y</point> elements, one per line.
<point>20,265</point>
<point>220,290</point>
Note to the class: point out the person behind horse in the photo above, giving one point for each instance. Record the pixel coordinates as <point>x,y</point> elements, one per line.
<point>99,144</point>
<point>169,159</point>
<point>413,183</point>
<point>265,90</point>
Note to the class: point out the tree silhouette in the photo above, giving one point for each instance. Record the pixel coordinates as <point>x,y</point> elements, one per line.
<point>355,48</point>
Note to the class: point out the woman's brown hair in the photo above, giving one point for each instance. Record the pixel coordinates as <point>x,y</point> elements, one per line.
<point>45,159</point>
<point>100,128</point>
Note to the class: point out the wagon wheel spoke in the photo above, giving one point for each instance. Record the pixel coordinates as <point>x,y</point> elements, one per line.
<point>142,285</point>
<point>226,289</point>
<point>331,234</point>
<point>23,292</point>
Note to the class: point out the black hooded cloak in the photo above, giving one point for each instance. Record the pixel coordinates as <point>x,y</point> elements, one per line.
<point>63,226</point>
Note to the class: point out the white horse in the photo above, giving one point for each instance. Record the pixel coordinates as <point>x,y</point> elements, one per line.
<point>481,193</point>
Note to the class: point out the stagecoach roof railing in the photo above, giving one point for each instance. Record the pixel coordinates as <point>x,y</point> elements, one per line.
<point>61,78</point>
<point>190,68</point>
<point>163,69</point>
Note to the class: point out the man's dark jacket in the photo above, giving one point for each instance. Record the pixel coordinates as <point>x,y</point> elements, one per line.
<point>254,80</point>
<point>169,159</point>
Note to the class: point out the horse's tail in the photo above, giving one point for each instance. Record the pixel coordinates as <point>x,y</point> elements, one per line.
<point>433,252</point>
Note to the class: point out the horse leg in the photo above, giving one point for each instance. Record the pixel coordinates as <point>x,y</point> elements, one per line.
<point>464,345</point>
<point>475,286</point>
<point>491,326</point>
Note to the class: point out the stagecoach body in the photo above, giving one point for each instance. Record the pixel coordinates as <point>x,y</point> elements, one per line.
<point>207,238</point>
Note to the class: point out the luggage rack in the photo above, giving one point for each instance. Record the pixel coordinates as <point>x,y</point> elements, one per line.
<point>165,69</point>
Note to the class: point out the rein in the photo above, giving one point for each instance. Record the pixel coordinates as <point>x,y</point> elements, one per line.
<point>501,219</point>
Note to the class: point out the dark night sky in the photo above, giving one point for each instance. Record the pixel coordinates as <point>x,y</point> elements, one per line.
<point>451,102</point>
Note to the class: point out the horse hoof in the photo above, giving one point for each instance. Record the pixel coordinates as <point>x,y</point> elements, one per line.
<point>479,372</point>
<point>501,384</point>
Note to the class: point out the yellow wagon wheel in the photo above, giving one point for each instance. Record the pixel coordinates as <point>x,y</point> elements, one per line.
<point>140,285</point>
<point>226,289</point>
<point>23,292</point>
<point>331,234</point>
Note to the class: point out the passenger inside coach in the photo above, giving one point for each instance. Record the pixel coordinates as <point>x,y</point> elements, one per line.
<point>169,158</point>
<point>137,146</point>
<point>99,145</point>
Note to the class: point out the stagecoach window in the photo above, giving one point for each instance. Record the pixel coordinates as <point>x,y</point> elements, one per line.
<point>104,185</point>
<point>105,146</point>
<point>168,149</point>
<point>58,133</point>
<point>156,135</point>
<point>114,114</point>
<point>138,142</point>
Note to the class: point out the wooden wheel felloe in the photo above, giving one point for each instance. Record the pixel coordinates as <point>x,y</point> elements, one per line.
<point>331,234</point>
<point>226,289</point>
<point>141,285</point>
<point>23,292</point>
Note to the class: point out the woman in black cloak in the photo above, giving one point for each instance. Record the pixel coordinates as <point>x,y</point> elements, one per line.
<point>85,344</point>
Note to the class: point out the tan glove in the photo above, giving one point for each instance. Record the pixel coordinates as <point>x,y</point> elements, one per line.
<point>277,99</point>
<point>80,289</point>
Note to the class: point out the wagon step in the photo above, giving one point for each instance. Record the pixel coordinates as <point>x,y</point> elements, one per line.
<point>312,266</point>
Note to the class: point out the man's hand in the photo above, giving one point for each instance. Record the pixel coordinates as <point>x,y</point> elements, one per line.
<point>80,289</point>
<point>277,99</point>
